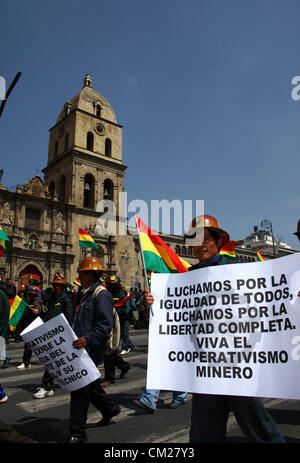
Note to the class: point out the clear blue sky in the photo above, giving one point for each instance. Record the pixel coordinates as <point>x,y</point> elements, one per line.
<point>202,88</point>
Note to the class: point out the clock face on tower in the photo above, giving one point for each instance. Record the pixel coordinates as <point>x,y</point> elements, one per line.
<point>100,129</point>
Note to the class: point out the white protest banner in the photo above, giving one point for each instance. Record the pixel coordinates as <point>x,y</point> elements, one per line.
<point>228,329</point>
<point>52,344</point>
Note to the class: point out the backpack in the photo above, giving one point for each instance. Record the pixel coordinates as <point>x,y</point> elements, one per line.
<point>113,341</point>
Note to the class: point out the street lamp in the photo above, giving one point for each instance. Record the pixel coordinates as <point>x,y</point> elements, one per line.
<point>10,89</point>
<point>266,224</point>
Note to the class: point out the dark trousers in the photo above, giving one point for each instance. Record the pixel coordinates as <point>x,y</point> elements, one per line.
<point>80,400</point>
<point>111,361</point>
<point>210,416</point>
<point>27,354</point>
<point>125,327</point>
<point>47,380</point>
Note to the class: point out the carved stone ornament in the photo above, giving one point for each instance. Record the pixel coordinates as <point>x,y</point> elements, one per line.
<point>7,214</point>
<point>36,187</point>
<point>60,226</point>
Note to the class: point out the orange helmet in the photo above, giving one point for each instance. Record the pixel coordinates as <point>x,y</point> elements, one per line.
<point>90,264</point>
<point>59,279</point>
<point>206,221</point>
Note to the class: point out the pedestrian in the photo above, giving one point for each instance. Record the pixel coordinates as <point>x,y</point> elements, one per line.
<point>32,311</point>
<point>147,402</point>
<point>112,358</point>
<point>57,302</point>
<point>92,322</point>
<point>113,284</point>
<point>7,292</point>
<point>210,412</point>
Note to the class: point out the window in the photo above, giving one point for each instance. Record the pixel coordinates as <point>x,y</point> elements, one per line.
<point>108,147</point>
<point>66,141</point>
<point>108,190</point>
<point>88,193</point>
<point>90,141</point>
<point>32,218</point>
<point>56,148</point>
<point>98,110</point>
<point>178,249</point>
<point>62,189</point>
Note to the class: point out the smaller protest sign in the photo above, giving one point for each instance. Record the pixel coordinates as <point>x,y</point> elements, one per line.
<point>52,344</point>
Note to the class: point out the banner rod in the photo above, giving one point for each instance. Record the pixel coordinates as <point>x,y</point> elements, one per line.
<point>143,261</point>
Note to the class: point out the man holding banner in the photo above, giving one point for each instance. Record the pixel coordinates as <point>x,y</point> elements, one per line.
<point>92,322</point>
<point>210,411</point>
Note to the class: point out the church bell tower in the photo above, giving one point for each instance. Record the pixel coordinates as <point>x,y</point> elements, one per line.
<point>85,152</point>
<point>84,168</point>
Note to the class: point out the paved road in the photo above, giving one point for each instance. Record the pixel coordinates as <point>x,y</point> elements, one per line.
<point>46,420</point>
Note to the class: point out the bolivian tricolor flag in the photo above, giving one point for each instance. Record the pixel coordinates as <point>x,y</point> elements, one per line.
<point>4,241</point>
<point>85,239</point>
<point>228,250</point>
<point>16,311</point>
<point>158,257</point>
<point>260,258</point>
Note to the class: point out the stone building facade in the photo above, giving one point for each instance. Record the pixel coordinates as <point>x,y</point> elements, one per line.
<point>84,169</point>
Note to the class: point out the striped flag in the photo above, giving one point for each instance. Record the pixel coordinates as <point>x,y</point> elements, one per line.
<point>158,257</point>
<point>4,241</point>
<point>228,250</point>
<point>16,311</point>
<point>85,239</point>
<point>260,258</point>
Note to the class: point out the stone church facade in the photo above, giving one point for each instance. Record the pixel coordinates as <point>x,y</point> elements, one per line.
<point>84,168</point>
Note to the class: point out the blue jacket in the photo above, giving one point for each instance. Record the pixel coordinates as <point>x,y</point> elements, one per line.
<point>92,319</point>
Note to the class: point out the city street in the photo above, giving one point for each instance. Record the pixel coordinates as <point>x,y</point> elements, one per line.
<point>46,420</point>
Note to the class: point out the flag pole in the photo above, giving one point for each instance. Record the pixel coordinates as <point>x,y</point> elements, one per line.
<point>143,261</point>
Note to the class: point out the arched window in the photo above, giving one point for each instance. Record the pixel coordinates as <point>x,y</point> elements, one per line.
<point>62,189</point>
<point>88,193</point>
<point>24,276</point>
<point>191,251</point>
<point>52,189</point>
<point>108,147</point>
<point>66,141</point>
<point>184,250</point>
<point>108,190</point>
<point>178,249</point>
<point>98,110</point>
<point>90,141</point>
